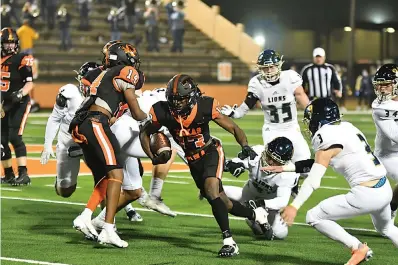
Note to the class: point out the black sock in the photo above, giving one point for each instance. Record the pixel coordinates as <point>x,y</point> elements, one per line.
<point>22,169</point>
<point>394,206</point>
<point>242,211</point>
<point>8,170</point>
<point>220,212</point>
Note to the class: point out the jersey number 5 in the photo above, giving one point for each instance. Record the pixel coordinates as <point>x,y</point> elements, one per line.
<point>5,84</point>
<point>369,150</point>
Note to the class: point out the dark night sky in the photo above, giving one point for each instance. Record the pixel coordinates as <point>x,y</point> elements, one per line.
<point>307,14</point>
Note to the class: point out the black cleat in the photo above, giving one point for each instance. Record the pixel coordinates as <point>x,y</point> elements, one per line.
<point>228,251</point>
<point>8,178</point>
<point>22,179</point>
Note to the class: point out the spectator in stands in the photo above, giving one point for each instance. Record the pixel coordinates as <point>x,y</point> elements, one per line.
<point>27,35</point>
<point>169,9</point>
<point>84,10</point>
<point>8,11</point>
<point>113,19</point>
<point>177,26</point>
<point>43,9</point>
<point>151,16</point>
<point>64,19</point>
<point>51,12</point>
<point>30,11</point>
<point>364,90</point>
<point>129,18</point>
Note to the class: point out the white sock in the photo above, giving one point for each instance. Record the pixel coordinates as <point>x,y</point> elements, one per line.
<point>109,227</point>
<point>129,208</point>
<point>102,214</point>
<point>334,231</point>
<point>156,187</point>
<point>87,213</point>
<point>228,241</point>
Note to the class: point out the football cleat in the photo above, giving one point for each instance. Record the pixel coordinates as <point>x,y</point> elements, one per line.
<point>110,237</point>
<point>158,205</point>
<point>8,179</point>
<point>22,179</point>
<point>84,226</point>
<point>99,223</point>
<point>255,227</point>
<point>363,253</point>
<point>144,196</point>
<point>228,251</point>
<point>133,216</point>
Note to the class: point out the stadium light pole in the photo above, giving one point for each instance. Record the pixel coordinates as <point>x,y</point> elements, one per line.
<point>351,50</point>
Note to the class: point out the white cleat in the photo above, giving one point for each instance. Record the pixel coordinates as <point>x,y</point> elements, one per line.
<point>84,226</point>
<point>99,223</point>
<point>109,237</point>
<point>158,205</point>
<point>143,198</point>
<point>133,216</point>
<point>261,215</point>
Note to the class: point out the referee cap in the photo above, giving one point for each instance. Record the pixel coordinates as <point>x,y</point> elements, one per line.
<point>318,52</point>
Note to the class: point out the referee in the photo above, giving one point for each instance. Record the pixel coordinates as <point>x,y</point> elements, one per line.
<point>320,79</point>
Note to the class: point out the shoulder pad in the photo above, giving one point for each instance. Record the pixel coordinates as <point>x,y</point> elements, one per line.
<point>61,101</point>
<point>258,149</point>
<point>253,84</point>
<point>386,110</point>
<point>326,137</point>
<point>129,74</point>
<point>25,60</point>
<point>294,77</point>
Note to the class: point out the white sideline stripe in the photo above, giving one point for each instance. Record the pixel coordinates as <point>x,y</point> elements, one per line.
<point>147,210</point>
<point>10,189</point>
<point>176,182</point>
<point>31,261</point>
<point>52,186</point>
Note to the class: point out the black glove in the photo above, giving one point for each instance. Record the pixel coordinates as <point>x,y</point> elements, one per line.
<point>162,158</point>
<point>236,169</point>
<point>16,96</point>
<point>141,80</point>
<point>247,151</point>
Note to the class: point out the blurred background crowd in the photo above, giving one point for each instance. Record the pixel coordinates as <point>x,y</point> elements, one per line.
<point>62,34</point>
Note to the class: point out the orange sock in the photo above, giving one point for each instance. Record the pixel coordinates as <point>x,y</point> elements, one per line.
<point>98,195</point>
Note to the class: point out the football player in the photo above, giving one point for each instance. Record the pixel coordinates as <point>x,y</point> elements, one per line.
<point>277,91</point>
<point>342,146</point>
<point>16,83</point>
<point>266,189</point>
<point>186,114</point>
<point>90,128</point>
<point>385,116</point>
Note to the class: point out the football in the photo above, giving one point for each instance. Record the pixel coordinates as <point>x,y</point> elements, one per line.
<point>159,143</point>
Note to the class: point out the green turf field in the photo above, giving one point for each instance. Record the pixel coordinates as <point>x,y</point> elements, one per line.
<point>37,224</point>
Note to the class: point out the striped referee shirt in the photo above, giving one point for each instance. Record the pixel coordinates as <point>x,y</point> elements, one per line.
<point>320,80</point>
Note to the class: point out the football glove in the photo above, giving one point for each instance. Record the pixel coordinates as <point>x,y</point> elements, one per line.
<point>16,96</point>
<point>247,151</point>
<point>236,169</point>
<point>228,110</point>
<point>162,158</point>
<point>46,154</point>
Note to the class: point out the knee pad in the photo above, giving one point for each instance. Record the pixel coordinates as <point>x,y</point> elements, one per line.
<point>5,152</point>
<point>312,217</point>
<point>280,231</point>
<point>19,145</point>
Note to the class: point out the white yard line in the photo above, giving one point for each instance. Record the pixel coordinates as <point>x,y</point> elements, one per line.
<point>30,261</point>
<point>147,210</point>
<point>9,189</point>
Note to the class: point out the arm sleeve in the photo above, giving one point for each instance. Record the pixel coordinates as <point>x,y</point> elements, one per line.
<point>281,199</point>
<point>389,128</point>
<point>241,111</point>
<point>304,166</point>
<point>336,82</point>
<point>53,123</point>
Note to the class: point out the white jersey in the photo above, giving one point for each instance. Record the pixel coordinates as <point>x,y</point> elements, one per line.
<point>385,116</point>
<point>269,184</point>
<point>356,161</point>
<point>61,117</point>
<point>277,101</point>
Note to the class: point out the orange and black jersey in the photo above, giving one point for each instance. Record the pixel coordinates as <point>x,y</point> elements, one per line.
<point>192,132</point>
<point>92,75</point>
<point>110,85</point>
<point>16,70</point>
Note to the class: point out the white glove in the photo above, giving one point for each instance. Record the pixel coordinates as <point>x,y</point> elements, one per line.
<point>228,110</point>
<point>45,154</point>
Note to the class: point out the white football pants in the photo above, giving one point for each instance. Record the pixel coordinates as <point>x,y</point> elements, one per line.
<point>390,162</point>
<point>67,167</point>
<point>359,201</point>
<point>245,194</point>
